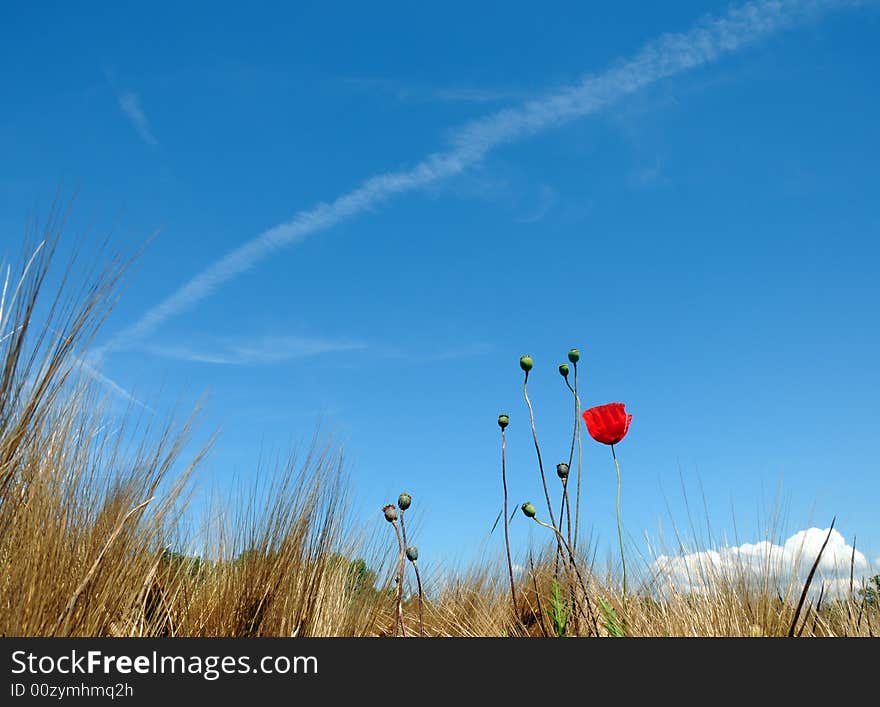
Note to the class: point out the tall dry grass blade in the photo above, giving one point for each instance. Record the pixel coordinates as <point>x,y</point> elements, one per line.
<point>800,604</point>
<point>94,568</point>
<point>852,567</point>
<point>537,596</point>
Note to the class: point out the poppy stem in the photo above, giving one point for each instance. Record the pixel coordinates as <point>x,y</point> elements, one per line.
<point>619,528</point>
<point>504,519</point>
<point>567,502</point>
<point>538,449</point>
<point>575,434</point>
<point>560,540</point>
<point>403,529</point>
<point>577,426</point>
<point>565,512</point>
<point>537,595</point>
<point>403,561</point>
<point>421,613</point>
<point>400,567</point>
<point>405,545</point>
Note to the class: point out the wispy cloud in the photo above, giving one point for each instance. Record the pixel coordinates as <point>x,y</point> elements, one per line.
<point>262,351</point>
<point>130,103</point>
<point>427,354</point>
<point>423,94</point>
<point>647,175</point>
<point>548,197</point>
<point>670,54</point>
<point>467,350</point>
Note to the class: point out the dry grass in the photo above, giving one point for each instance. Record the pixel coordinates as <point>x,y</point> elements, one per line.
<point>90,513</point>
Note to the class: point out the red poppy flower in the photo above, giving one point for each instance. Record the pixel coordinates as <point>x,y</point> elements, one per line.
<point>609,423</point>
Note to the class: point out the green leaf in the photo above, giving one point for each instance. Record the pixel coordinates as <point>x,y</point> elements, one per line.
<point>610,621</point>
<point>559,610</point>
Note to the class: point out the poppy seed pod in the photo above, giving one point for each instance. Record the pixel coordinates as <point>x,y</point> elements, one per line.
<point>503,421</point>
<point>562,470</point>
<point>574,355</point>
<point>529,510</point>
<point>526,363</point>
<point>404,500</point>
<point>563,370</point>
<point>390,512</point>
<point>412,553</point>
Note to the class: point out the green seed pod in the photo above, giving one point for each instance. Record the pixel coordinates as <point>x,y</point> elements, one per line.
<point>574,355</point>
<point>503,421</point>
<point>529,509</point>
<point>404,500</point>
<point>526,363</point>
<point>390,512</point>
<point>563,370</point>
<point>562,470</point>
<point>412,553</point>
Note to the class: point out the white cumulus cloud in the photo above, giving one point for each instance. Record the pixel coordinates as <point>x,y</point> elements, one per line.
<point>780,566</point>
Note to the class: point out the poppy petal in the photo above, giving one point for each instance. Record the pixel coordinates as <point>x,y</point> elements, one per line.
<point>608,423</point>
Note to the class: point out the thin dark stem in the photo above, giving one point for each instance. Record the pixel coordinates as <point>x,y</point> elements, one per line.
<point>561,514</point>
<point>403,530</point>
<point>575,428</point>
<point>565,512</point>
<point>421,612</point>
<point>403,561</point>
<point>806,589</point>
<point>399,583</point>
<point>567,505</point>
<point>561,541</point>
<point>537,595</point>
<point>538,449</point>
<point>505,520</point>
<point>577,414</point>
<point>852,565</point>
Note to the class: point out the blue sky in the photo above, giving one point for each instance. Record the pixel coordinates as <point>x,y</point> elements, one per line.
<point>697,214</point>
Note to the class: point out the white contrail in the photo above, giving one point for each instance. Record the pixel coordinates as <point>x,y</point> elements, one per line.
<point>670,54</point>
<point>96,375</point>
<point>112,385</point>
